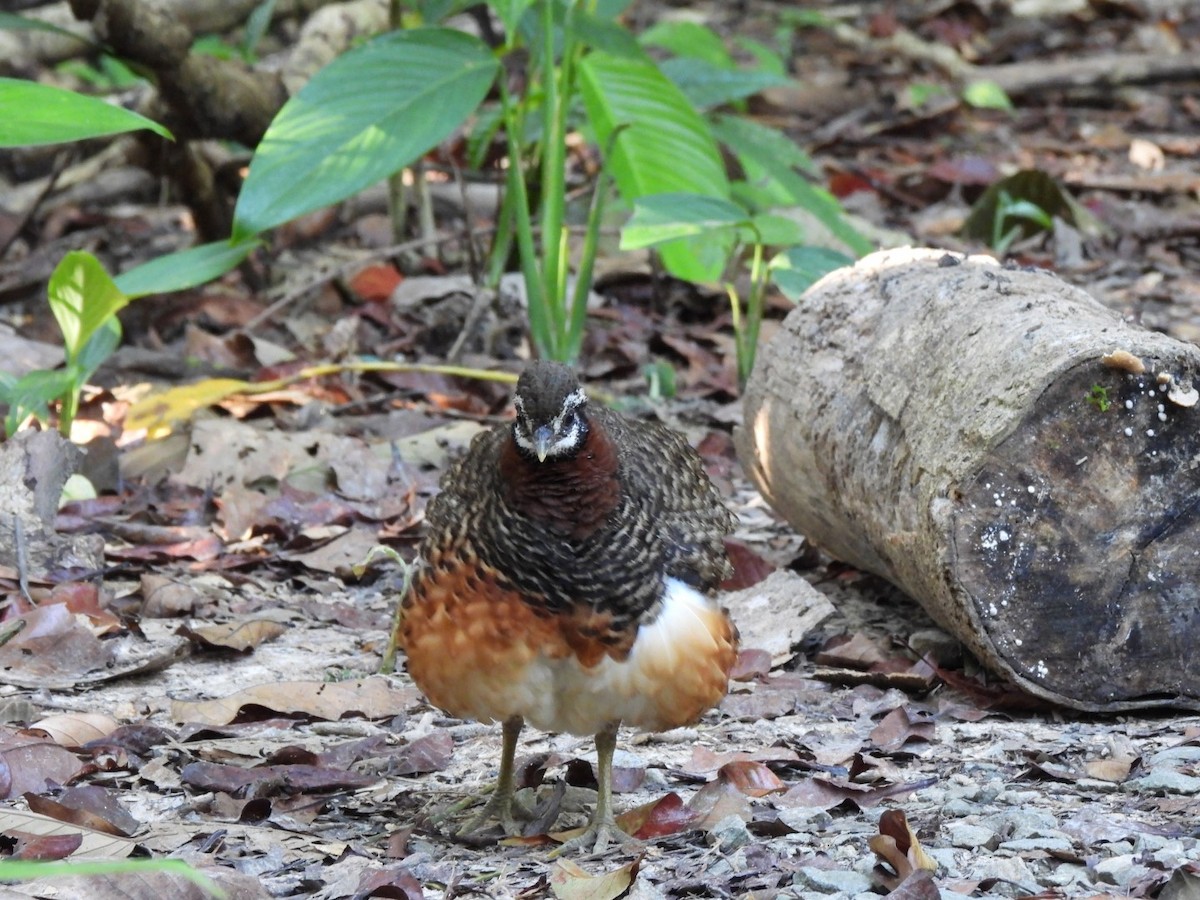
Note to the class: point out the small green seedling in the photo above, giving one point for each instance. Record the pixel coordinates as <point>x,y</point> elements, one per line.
<point>1098,397</point>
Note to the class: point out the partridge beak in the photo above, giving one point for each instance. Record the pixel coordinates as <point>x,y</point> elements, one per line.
<point>542,438</point>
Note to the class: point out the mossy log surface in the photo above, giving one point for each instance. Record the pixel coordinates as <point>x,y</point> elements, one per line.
<point>1008,451</point>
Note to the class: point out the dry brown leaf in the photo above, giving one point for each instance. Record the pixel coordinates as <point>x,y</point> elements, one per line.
<point>76,729</point>
<point>240,636</point>
<point>371,698</point>
<point>569,882</point>
<point>897,845</point>
<point>27,763</point>
<point>95,843</point>
<point>899,727</point>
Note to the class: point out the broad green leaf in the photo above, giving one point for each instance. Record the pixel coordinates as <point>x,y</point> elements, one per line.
<point>796,269</point>
<point>510,12</point>
<point>82,297</point>
<point>768,58</point>
<point>986,95</point>
<point>366,115</point>
<point>739,131</point>
<point>602,33</point>
<point>182,270</point>
<point>688,39</point>
<point>32,114</point>
<point>708,86</point>
<point>759,160</point>
<point>100,346</point>
<point>775,230</point>
<point>33,393</point>
<point>659,145</point>
<point>667,217</point>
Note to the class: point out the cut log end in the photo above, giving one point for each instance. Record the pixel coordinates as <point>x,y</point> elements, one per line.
<point>1079,539</point>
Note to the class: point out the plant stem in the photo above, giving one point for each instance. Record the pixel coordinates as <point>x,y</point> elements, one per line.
<point>754,313</point>
<point>540,326</point>
<point>554,120</point>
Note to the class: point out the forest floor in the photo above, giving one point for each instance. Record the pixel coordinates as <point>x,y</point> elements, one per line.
<point>214,696</point>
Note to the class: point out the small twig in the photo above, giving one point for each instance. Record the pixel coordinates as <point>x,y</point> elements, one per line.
<point>60,165</point>
<point>22,558</point>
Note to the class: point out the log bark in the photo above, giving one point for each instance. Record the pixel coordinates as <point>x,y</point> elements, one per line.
<point>983,438</point>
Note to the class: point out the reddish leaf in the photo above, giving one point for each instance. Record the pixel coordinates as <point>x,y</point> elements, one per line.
<point>395,881</point>
<point>751,778</point>
<point>751,664</point>
<point>901,726</point>
<point>27,764</point>
<point>718,800</point>
<point>84,598</point>
<point>748,567</point>
<point>375,283</point>
<point>44,846</point>
<point>89,806</point>
<point>704,760</point>
<point>667,815</point>
<point>430,753</point>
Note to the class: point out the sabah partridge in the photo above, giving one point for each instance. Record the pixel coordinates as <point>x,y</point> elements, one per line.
<point>564,582</point>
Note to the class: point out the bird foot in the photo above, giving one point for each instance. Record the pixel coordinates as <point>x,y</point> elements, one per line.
<point>596,838</point>
<point>502,809</point>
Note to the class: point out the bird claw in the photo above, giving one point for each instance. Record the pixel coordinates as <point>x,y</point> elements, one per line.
<point>596,838</point>
<point>503,810</point>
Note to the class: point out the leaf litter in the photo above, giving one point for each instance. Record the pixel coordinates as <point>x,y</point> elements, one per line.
<point>275,758</point>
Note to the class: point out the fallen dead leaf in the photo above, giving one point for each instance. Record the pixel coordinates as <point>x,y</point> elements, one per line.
<point>751,778</point>
<point>372,698</point>
<point>240,636</point>
<point>897,845</point>
<point>900,726</point>
<point>44,846</point>
<point>94,844</point>
<point>570,882</point>
<point>89,806</point>
<point>76,729</point>
<point>27,763</point>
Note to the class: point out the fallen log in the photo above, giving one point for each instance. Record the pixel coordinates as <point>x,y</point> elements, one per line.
<point>1006,450</point>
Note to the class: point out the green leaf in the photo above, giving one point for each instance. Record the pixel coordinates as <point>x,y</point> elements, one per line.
<point>82,297</point>
<point>986,95</point>
<point>602,33</point>
<point>366,115</point>
<point>768,58</point>
<point>667,217</point>
<point>776,230</point>
<point>796,269</point>
<point>760,159</point>
<point>660,145</point>
<point>708,86</point>
<point>33,114</point>
<point>184,269</point>
<point>99,347</point>
<point>739,132</point>
<point>688,39</point>
<point>510,12</point>
<point>256,26</point>
<point>33,393</point>
<point>13,22</point>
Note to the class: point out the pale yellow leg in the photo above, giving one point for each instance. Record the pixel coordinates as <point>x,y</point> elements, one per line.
<point>602,828</point>
<point>500,808</point>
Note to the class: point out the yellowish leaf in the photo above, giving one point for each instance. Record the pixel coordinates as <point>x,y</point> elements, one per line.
<point>76,729</point>
<point>570,882</point>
